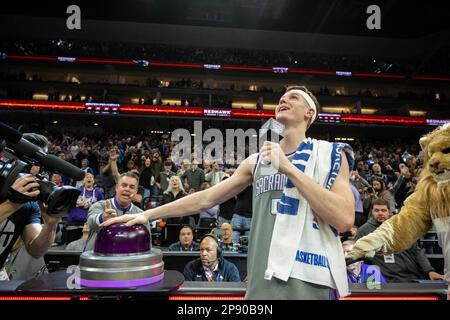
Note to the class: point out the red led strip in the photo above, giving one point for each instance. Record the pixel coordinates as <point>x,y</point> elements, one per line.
<point>209,112</point>
<point>161,110</point>
<point>27,104</point>
<point>331,73</point>
<point>205,297</point>
<point>390,298</point>
<point>245,114</point>
<point>431,78</point>
<point>176,65</point>
<point>378,75</point>
<point>383,119</point>
<point>36,58</point>
<point>92,60</point>
<point>193,111</point>
<point>37,298</point>
<point>245,68</point>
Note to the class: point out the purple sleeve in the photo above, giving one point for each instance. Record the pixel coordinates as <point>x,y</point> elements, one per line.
<point>214,211</point>
<point>99,194</point>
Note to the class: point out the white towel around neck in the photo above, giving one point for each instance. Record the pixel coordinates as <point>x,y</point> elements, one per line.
<point>303,246</point>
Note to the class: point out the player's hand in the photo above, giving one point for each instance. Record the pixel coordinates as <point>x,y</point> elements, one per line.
<point>272,153</point>
<point>129,219</point>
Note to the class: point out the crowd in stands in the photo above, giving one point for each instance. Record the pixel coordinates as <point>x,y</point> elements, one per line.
<point>382,170</point>
<point>228,56</point>
<point>438,64</point>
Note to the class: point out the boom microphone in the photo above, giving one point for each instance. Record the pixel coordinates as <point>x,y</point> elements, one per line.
<point>64,167</point>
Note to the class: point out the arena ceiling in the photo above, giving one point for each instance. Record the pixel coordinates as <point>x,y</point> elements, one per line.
<point>399,19</point>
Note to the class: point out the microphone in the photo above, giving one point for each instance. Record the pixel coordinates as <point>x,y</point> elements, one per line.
<point>28,149</point>
<point>272,131</point>
<point>23,147</point>
<point>209,261</point>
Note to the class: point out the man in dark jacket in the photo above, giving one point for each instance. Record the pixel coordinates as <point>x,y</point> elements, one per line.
<point>193,177</point>
<point>163,177</point>
<point>406,266</point>
<point>211,266</point>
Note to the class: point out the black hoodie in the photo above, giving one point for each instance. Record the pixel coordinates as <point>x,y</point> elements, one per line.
<point>409,265</point>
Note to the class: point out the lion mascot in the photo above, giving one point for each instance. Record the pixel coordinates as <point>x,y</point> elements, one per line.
<point>428,205</point>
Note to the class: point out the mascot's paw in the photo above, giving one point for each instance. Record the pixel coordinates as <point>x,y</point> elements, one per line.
<point>358,253</point>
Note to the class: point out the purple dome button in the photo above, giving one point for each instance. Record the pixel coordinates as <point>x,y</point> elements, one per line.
<point>121,239</point>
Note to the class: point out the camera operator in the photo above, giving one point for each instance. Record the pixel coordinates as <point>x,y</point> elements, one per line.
<point>19,218</point>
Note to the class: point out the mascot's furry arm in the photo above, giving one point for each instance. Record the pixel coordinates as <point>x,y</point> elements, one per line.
<point>396,234</point>
<point>430,200</point>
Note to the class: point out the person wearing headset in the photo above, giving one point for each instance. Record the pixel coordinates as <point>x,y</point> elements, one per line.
<point>211,266</point>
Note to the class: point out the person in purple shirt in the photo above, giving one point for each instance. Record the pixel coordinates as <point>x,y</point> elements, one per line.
<point>88,196</point>
<point>78,215</point>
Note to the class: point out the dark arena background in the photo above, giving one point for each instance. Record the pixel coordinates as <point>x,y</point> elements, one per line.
<point>111,81</point>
